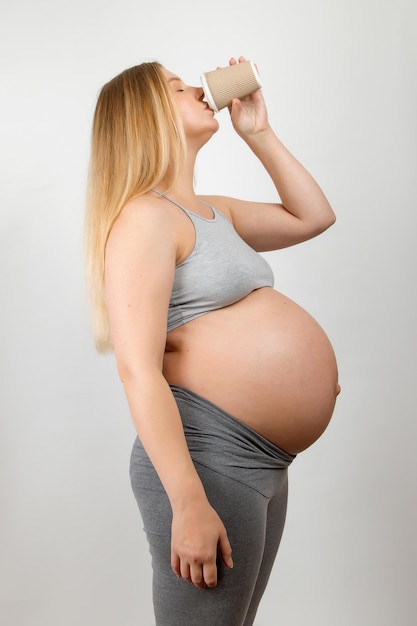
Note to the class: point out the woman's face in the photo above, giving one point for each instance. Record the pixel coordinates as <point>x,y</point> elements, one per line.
<point>198,119</point>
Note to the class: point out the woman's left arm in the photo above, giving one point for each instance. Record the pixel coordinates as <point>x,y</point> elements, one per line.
<point>304,211</point>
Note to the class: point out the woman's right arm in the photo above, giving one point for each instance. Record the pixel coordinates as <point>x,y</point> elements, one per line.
<point>139,271</point>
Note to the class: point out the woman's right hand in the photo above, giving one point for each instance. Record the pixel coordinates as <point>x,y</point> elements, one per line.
<point>198,534</point>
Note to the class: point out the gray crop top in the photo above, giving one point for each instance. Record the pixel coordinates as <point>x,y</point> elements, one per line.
<point>221,269</point>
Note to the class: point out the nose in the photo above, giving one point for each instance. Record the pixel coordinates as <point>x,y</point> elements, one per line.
<point>200,93</point>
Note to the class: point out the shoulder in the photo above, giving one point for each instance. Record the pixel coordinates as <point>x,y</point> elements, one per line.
<point>144,220</point>
<point>145,212</point>
<point>141,243</point>
<point>140,254</point>
<point>235,209</point>
<point>221,203</point>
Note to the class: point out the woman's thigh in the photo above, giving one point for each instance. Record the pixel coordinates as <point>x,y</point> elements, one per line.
<point>243,511</point>
<point>245,479</point>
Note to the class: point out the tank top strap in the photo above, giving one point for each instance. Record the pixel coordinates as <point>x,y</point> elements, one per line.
<point>170,199</point>
<point>190,214</point>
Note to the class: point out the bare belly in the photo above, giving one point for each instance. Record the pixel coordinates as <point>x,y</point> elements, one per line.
<point>264,360</point>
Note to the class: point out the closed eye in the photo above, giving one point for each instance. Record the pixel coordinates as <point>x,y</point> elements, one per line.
<point>175,79</point>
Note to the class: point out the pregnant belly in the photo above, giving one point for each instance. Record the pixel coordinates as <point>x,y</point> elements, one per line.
<point>264,360</point>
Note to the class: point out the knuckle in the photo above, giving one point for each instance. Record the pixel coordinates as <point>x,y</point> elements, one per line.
<point>194,558</point>
<point>197,557</point>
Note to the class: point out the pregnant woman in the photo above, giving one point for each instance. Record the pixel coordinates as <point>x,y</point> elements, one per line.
<point>226,378</point>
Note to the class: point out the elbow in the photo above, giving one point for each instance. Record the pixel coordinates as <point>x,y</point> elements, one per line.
<point>328,219</point>
<point>332,218</point>
<point>138,374</point>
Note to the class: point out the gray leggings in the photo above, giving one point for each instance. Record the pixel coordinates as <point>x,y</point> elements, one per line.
<point>245,479</point>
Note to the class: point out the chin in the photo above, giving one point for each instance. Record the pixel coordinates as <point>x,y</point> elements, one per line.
<point>206,136</point>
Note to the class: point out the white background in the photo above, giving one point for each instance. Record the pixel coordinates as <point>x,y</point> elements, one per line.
<point>340,82</point>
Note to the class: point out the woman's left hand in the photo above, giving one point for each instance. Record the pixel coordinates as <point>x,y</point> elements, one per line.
<point>249,115</point>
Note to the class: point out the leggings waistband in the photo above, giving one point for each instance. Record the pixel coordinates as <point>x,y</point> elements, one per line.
<point>213,433</point>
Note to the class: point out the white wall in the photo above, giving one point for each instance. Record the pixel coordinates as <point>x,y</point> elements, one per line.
<point>340,81</point>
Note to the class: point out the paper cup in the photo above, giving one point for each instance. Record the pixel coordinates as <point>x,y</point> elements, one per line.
<point>234,81</point>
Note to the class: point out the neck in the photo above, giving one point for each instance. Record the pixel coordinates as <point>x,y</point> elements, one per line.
<point>183,187</point>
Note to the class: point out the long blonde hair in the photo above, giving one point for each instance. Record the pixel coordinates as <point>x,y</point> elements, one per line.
<point>137,140</point>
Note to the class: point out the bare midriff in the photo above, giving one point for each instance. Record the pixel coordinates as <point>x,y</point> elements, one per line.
<point>265,361</point>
